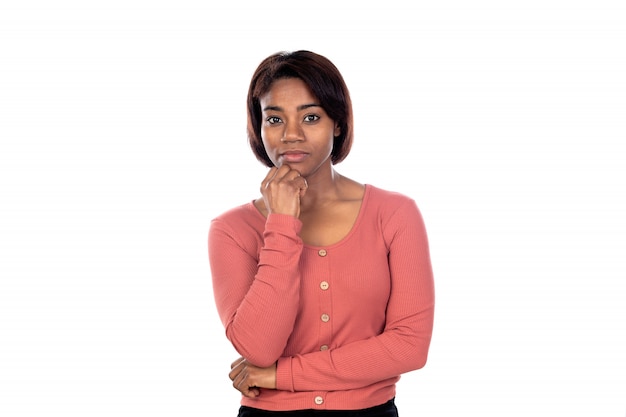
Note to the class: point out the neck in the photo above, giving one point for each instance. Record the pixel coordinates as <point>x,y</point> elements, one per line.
<point>322,190</point>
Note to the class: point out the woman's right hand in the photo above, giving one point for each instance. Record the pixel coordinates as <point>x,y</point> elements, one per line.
<point>249,379</point>
<point>282,189</point>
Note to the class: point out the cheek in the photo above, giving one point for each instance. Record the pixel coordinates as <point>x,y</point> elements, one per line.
<point>330,147</point>
<point>265,140</point>
<point>270,135</point>
<point>331,143</point>
<point>269,149</point>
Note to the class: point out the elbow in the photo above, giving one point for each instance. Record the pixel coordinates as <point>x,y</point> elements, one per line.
<point>259,358</point>
<point>256,352</point>
<point>418,353</point>
<point>419,361</point>
<point>412,361</point>
<point>263,362</point>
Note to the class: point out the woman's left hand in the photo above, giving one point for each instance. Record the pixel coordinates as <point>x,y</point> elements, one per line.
<point>248,379</point>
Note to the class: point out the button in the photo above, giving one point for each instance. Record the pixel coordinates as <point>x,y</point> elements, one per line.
<point>324,285</point>
<point>324,347</point>
<point>322,252</point>
<point>325,318</point>
<point>319,400</point>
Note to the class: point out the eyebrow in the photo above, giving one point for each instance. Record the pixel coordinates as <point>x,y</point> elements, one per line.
<point>299,108</point>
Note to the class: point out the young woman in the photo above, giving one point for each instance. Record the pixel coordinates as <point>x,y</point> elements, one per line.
<point>324,285</point>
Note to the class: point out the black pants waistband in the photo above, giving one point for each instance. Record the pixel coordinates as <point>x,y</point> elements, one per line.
<point>387,409</point>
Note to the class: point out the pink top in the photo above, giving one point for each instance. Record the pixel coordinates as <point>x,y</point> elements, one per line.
<point>341,321</point>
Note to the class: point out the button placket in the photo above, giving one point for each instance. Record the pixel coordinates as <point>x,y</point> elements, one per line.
<point>325,305</point>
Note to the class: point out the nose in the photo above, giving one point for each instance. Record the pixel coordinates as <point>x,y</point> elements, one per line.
<point>292,133</point>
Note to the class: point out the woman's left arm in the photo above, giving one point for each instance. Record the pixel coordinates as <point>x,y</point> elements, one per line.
<point>403,345</point>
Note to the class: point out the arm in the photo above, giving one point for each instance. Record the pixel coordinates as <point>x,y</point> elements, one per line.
<point>403,345</point>
<point>257,300</point>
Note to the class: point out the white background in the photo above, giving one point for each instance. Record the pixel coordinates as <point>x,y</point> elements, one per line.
<point>122,133</point>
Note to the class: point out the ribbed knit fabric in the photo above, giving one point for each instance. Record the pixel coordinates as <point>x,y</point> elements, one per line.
<point>344,321</point>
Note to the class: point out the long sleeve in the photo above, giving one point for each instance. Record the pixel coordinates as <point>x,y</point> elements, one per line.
<point>404,342</point>
<point>342,321</point>
<point>256,294</point>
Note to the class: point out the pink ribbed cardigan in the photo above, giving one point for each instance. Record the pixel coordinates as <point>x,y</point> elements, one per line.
<point>342,321</point>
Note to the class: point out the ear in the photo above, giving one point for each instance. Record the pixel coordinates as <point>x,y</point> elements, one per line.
<point>337,130</point>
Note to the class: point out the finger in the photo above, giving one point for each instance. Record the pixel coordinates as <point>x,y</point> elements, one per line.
<point>237,362</point>
<point>287,172</point>
<point>294,175</point>
<point>284,173</point>
<point>239,380</point>
<point>242,385</point>
<point>239,383</point>
<point>302,185</point>
<point>301,182</point>
<point>236,371</point>
<point>268,178</point>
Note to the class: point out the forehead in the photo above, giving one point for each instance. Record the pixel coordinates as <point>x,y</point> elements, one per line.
<point>287,90</point>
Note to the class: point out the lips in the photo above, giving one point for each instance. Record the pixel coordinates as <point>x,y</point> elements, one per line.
<point>294,156</point>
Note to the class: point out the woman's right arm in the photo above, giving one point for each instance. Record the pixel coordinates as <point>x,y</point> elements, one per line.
<point>257,299</point>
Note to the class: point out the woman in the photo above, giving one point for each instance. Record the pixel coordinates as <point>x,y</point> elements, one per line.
<point>324,284</point>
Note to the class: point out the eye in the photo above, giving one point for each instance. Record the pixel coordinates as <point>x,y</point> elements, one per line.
<point>311,118</point>
<point>273,120</point>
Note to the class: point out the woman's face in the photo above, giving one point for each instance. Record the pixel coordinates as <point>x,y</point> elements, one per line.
<point>295,129</point>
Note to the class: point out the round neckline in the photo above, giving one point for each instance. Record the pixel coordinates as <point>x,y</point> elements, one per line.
<point>344,239</point>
